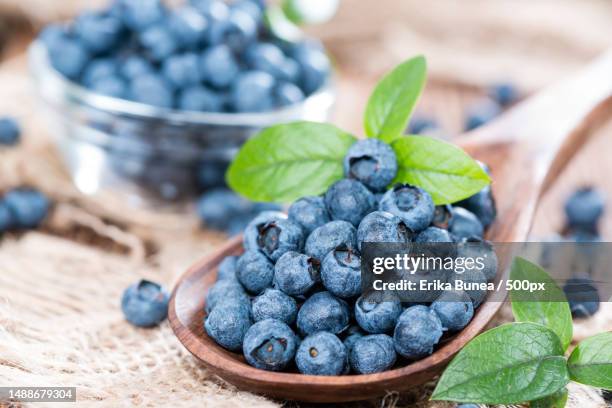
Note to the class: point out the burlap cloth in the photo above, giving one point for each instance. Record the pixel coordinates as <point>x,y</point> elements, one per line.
<point>60,322</point>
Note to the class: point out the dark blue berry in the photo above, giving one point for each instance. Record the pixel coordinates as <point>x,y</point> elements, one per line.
<point>341,272</point>
<point>353,334</point>
<point>287,94</point>
<point>218,66</point>
<point>188,25</point>
<point>322,353</point>
<point>226,290</point>
<point>504,93</point>
<point>110,86</point>
<point>582,296</point>
<point>315,66</point>
<point>140,14</point>
<point>309,212</point>
<point>421,124</point>
<point>134,66</point>
<point>28,207</point>
<point>200,98</point>
<point>295,274</point>
<point>227,268</point>
<point>255,271</point>
<point>274,304</point>
<point>472,276</point>
<point>265,57</point>
<point>323,312</point>
<point>349,200</point>
<point>418,330</point>
<point>465,224</point>
<point>481,113</point>
<point>411,204</point>
<point>182,70</point>
<point>217,207</point>
<point>377,317</point>
<point>329,237</point>
<point>443,215</point>
<point>372,354</point>
<point>68,56</point>
<point>381,226</point>
<point>270,345</point>
<point>97,69</point>
<point>158,42</point>
<point>482,205</point>
<point>434,235</point>
<point>584,208</point>
<point>251,232</point>
<point>455,310</point>
<point>227,324</point>
<point>237,31</point>
<point>151,89</point>
<point>253,92</point>
<point>98,32</point>
<point>10,131</point>
<point>278,237</point>
<point>145,303</point>
<point>371,162</point>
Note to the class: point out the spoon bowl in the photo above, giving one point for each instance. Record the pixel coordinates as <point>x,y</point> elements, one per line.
<point>525,149</point>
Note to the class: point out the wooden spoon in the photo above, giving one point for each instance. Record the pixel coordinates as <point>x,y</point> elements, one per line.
<point>525,148</point>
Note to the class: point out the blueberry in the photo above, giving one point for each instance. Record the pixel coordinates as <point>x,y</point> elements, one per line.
<point>98,32</point>
<point>372,162</point>
<point>219,206</point>
<point>269,345</point>
<point>504,93</point>
<point>251,232</point>
<point>237,31</point>
<point>227,325</point>
<point>140,14</point>
<point>188,25</point>
<point>152,90</point>
<point>420,124</point>
<point>477,247</point>
<point>433,234</point>
<point>287,94</point>
<point>253,92</point>
<point>472,276</point>
<point>251,8</point>
<point>28,207</point>
<point>211,173</point>
<point>353,334</point>
<point>377,317</point>
<point>98,69</point>
<point>265,57</point>
<point>372,354</point>
<point>145,303</point>
<point>182,70</point>
<point>158,42</point>
<point>134,66</point>
<point>584,208</point>
<point>349,200</point>
<point>254,271</point>
<point>411,204</point>
<point>418,330</point>
<point>323,312</point>
<point>200,98</point>
<point>381,226</point>
<point>274,304</point>
<point>52,34</point>
<point>280,236</point>
<point>10,131</point>
<point>468,406</point>
<point>315,67</point>
<point>226,290</point>
<point>295,273</point>
<point>341,272</point>
<point>6,218</point>
<point>443,215</point>
<point>309,212</point>
<point>322,353</point>
<point>227,268</point>
<point>481,113</point>
<point>329,237</point>
<point>582,295</point>
<point>465,224</point>
<point>68,57</point>
<point>482,205</point>
<point>218,66</point>
<point>110,86</point>
<point>455,310</point>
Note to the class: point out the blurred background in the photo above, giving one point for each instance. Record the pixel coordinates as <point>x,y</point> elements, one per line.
<point>471,46</point>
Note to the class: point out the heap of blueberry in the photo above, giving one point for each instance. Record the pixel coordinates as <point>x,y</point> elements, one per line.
<point>206,55</point>
<point>22,209</point>
<point>292,300</point>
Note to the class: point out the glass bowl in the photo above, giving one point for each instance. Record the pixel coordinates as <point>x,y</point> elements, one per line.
<point>149,156</point>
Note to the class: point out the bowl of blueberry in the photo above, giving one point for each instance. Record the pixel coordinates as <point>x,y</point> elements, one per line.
<point>152,102</point>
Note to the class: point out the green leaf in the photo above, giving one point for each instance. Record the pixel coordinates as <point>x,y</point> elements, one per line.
<point>392,102</point>
<point>591,361</point>
<point>281,26</point>
<point>548,307</point>
<point>288,161</point>
<point>444,170</point>
<point>556,400</point>
<point>310,11</point>
<point>509,364</point>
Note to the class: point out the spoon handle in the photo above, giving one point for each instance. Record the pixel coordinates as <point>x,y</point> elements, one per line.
<point>528,146</point>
